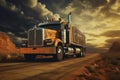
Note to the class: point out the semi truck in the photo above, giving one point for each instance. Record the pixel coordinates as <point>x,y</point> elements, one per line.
<point>54,38</point>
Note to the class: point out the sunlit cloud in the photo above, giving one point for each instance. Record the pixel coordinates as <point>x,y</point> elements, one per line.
<point>111,33</point>
<point>95,17</point>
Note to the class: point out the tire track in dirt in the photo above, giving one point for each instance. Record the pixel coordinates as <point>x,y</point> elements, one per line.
<point>17,66</point>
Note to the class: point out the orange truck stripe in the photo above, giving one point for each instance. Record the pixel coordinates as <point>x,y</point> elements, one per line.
<point>41,50</point>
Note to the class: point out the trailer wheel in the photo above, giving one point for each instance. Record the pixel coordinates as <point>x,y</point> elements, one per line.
<point>78,55</point>
<point>81,53</point>
<point>84,52</point>
<point>29,57</point>
<point>59,53</point>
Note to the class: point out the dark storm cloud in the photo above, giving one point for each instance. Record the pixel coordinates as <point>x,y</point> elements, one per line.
<point>112,33</point>
<point>12,17</point>
<point>39,9</point>
<point>23,12</point>
<point>97,3</point>
<point>17,16</point>
<point>55,5</point>
<point>30,3</point>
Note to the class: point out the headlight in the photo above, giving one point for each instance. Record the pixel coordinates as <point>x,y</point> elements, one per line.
<point>48,42</point>
<point>24,43</point>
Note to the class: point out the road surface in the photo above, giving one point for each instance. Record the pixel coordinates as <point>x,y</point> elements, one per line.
<point>42,69</point>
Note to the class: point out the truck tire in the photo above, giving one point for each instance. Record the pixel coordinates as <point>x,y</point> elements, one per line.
<point>84,52</point>
<point>29,57</point>
<point>59,53</point>
<point>2,58</point>
<point>81,54</point>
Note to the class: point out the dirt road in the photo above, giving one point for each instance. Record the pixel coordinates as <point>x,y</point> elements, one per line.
<point>43,69</point>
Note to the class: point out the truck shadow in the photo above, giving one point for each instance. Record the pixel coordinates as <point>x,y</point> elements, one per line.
<point>37,60</point>
<point>23,60</point>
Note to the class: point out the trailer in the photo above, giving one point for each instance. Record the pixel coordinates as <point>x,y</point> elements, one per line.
<point>54,38</point>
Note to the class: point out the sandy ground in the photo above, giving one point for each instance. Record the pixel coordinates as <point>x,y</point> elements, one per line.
<point>43,69</point>
<point>106,68</point>
<point>91,67</point>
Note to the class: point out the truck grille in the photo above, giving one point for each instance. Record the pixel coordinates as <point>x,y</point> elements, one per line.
<point>39,37</point>
<point>35,37</point>
<point>31,37</point>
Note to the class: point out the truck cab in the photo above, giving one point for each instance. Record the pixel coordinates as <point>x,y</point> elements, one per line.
<point>45,34</point>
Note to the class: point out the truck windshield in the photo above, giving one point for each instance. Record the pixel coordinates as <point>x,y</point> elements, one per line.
<point>51,26</point>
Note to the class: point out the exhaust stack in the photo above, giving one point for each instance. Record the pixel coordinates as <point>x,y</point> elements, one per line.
<point>69,20</point>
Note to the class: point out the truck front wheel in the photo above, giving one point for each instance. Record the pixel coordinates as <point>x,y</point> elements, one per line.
<point>3,57</point>
<point>29,57</point>
<point>59,53</point>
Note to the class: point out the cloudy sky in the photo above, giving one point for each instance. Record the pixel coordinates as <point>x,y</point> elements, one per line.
<point>99,20</point>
